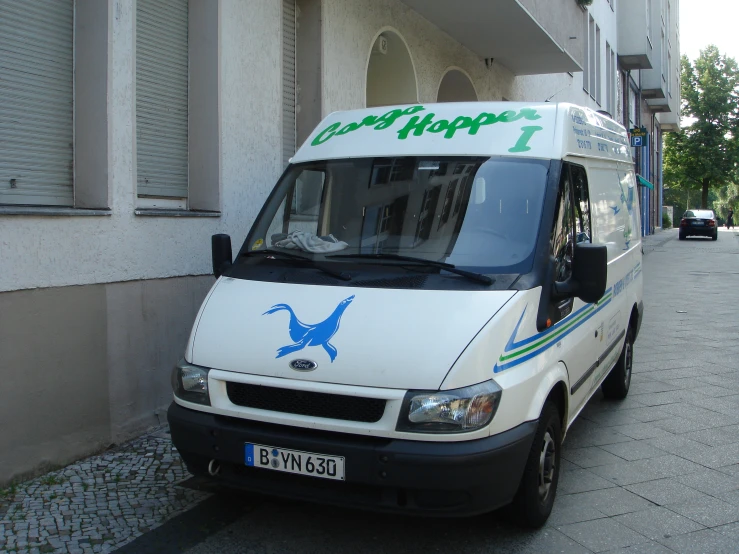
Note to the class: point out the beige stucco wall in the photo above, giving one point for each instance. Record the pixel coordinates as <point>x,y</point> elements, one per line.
<point>87,366</point>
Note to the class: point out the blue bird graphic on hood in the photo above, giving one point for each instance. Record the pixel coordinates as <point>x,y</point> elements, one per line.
<point>304,334</point>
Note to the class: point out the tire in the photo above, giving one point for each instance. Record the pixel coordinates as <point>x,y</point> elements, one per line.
<point>715,236</point>
<point>535,496</point>
<point>616,385</point>
<point>681,236</point>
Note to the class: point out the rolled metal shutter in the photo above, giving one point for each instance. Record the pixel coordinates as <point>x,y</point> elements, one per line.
<point>288,80</point>
<point>161,97</point>
<point>36,102</point>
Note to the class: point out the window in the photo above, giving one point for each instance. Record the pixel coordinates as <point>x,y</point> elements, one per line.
<point>592,56</point>
<point>36,102</point>
<point>562,243</point>
<point>648,5</point>
<point>669,74</point>
<point>300,208</point>
<point>598,67</point>
<point>586,60</point>
<point>482,213</point>
<point>610,81</point>
<point>54,146</point>
<point>162,64</point>
<point>562,232</point>
<point>582,204</point>
<point>664,57</point>
<point>289,139</point>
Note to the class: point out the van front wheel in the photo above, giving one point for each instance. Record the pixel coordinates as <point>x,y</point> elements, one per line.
<point>535,497</point>
<point>616,385</point>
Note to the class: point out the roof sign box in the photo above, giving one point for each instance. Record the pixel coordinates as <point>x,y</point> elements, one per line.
<point>543,130</point>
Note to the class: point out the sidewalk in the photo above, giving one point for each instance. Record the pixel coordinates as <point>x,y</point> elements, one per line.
<point>658,472</point>
<point>99,503</point>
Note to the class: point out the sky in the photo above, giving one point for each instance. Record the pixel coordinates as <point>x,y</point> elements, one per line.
<point>704,22</point>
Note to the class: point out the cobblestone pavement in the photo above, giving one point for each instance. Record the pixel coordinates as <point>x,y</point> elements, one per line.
<point>655,473</point>
<point>99,503</point>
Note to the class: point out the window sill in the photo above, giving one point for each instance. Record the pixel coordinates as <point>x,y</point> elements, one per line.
<point>52,211</point>
<point>174,213</point>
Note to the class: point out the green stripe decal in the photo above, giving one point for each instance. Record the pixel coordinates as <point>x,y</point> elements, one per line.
<point>558,332</point>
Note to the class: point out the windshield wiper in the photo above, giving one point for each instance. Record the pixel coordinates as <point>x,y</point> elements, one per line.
<point>451,268</point>
<point>288,256</point>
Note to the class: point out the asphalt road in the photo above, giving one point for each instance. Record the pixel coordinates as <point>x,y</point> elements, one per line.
<point>658,472</point>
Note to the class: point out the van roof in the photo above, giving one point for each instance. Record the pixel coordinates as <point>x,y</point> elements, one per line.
<point>534,130</point>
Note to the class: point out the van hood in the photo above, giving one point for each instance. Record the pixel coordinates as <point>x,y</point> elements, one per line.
<point>387,338</point>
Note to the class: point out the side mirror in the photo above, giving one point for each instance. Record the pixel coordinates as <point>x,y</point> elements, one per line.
<point>221,253</point>
<point>589,274</point>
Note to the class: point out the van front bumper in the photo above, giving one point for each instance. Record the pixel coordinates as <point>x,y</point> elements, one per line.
<point>431,478</point>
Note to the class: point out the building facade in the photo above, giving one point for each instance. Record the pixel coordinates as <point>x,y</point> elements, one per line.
<point>133,130</point>
<point>631,69</point>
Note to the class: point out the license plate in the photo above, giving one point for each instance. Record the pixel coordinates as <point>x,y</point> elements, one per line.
<point>295,461</point>
<point>697,223</point>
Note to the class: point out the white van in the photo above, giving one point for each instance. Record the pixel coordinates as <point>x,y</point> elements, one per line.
<point>426,301</point>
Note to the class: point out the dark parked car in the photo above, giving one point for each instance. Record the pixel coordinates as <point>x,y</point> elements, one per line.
<point>699,223</point>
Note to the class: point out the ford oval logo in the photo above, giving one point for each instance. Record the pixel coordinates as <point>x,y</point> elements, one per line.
<point>303,365</point>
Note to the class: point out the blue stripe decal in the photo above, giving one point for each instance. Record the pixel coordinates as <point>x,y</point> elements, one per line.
<point>533,353</point>
<point>249,455</point>
<point>616,289</point>
<point>512,345</point>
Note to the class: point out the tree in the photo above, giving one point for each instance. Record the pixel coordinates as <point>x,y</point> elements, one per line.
<point>728,197</point>
<point>704,153</point>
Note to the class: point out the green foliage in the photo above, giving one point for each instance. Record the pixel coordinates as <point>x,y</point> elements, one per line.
<point>727,197</point>
<point>705,153</point>
<point>666,221</point>
<point>50,480</point>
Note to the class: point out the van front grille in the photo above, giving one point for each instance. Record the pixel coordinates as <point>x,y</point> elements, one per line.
<point>315,404</point>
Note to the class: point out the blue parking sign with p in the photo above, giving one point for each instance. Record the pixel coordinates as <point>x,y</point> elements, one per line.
<point>637,141</point>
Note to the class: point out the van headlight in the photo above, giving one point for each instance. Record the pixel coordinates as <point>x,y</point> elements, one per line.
<point>190,383</point>
<point>451,411</point>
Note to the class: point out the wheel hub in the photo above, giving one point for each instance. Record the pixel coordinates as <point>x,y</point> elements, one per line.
<point>547,465</point>
<point>627,363</point>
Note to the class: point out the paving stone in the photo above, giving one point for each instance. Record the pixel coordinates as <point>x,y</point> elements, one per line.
<point>658,523</point>
<point>610,418</point>
<point>585,433</point>
<point>628,473</point>
<point>602,534</point>
<point>565,512</point>
<point>647,413</point>
<point>706,541</point>
<point>707,511</point>
<point>590,456</point>
<point>612,501</point>
<point>717,436</point>
<point>581,480</point>
<point>639,431</point>
<point>731,530</point>
<point>651,387</point>
<point>69,510</point>
<point>634,450</point>
<point>665,491</point>
<point>710,481</point>
<point>680,425</point>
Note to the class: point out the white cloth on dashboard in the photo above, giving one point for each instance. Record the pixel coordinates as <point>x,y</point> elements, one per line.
<point>308,242</point>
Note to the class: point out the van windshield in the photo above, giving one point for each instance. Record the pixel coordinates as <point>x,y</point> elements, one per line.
<point>480,214</point>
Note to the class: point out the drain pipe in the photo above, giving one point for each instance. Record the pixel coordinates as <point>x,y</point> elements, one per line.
<point>214,467</point>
